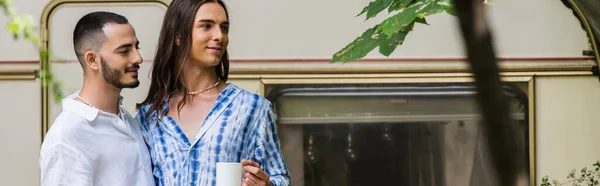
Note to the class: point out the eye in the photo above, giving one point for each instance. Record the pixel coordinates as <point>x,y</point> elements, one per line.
<point>225,28</point>
<point>124,52</point>
<point>205,26</point>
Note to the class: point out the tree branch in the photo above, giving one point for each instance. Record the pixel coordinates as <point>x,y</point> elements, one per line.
<point>508,156</point>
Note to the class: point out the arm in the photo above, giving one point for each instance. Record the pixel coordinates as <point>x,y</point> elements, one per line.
<point>63,166</point>
<point>268,152</point>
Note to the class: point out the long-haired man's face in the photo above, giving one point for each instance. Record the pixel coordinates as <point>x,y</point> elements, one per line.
<point>119,57</point>
<point>209,35</point>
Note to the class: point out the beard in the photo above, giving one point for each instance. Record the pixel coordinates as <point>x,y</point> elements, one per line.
<point>113,76</point>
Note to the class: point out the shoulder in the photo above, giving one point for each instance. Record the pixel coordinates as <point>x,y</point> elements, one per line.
<point>254,105</point>
<point>251,99</point>
<point>68,125</point>
<point>66,129</point>
<point>143,117</point>
<point>142,113</point>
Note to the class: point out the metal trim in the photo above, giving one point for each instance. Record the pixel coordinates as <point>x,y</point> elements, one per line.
<point>18,74</point>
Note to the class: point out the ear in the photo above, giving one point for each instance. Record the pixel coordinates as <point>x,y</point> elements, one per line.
<point>177,40</point>
<point>92,60</point>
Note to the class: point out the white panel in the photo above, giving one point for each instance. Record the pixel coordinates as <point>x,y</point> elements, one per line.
<point>20,132</point>
<point>318,29</point>
<point>146,18</point>
<point>567,125</point>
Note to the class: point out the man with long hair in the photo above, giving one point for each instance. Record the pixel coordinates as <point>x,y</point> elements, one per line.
<point>191,118</point>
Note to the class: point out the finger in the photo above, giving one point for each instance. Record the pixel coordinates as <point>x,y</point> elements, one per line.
<point>255,164</point>
<point>246,162</point>
<point>250,182</point>
<point>256,172</point>
<point>251,177</point>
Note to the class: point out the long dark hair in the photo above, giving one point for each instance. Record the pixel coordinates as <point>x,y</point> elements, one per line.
<point>169,61</point>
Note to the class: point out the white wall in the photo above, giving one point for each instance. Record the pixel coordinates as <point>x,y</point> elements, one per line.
<point>318,29</point>
<point>20,132</point>
<point>567,110</point>
<point>20,129</point>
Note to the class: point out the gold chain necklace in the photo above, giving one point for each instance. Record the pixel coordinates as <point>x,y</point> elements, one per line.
<point>204,90</point>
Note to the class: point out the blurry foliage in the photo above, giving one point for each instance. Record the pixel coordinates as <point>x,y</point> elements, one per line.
<point>589,177</point>
<point>24,27</point>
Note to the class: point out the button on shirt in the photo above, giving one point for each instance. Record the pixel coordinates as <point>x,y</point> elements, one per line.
<point>86,146</point>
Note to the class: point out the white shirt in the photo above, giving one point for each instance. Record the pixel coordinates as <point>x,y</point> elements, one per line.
<point>86,146</point>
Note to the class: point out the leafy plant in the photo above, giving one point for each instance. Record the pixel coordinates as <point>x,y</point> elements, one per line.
<point>586,176</point>
<point>391,32</point>
<point>24,27</point>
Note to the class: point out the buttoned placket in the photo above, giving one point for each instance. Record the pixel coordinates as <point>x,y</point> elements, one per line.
<point>120,122</point>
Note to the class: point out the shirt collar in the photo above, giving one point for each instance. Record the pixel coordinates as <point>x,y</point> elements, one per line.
<point>81,109</point>
<point>165,107</point>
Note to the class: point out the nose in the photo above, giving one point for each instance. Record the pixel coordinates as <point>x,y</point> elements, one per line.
<point>137,57</point>
<point>218,34</point>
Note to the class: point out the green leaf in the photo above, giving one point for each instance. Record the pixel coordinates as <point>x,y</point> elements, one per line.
<point>14,29</point>
<point>58,96</point>
<point>398,4</point>
<point>448,7</point>
<point>404,17</point>
<point>388,45</point>
<point>5,3</point>
<point>369,40</point>
<point>430,9</point>
<point>375,7</point>
<point>421,20</point>
<point>56,89</point>
<point>359,48</point>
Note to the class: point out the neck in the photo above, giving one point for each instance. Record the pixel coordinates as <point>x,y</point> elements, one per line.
<point>198,78</point>
<point>101,95</point>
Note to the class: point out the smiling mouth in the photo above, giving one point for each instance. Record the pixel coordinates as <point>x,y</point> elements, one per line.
<point>215,49</point>
<point>133,70</point>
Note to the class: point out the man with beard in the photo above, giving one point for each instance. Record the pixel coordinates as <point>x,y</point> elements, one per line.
<point>94,140</point>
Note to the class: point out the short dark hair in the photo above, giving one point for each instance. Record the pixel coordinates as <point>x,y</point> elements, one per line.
<point>89,34</point>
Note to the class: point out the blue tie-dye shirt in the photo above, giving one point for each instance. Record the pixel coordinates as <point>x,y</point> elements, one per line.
<point>241,125</point>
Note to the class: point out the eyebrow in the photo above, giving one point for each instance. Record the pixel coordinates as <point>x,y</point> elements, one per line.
<point>127,45</point>
<point>212,21</point>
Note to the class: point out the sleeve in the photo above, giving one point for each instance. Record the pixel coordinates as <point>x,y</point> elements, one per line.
<point>268,152</point>
<point>64,166</point>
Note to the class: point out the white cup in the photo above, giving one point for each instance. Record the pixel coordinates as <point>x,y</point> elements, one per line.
<point>229,174</point>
